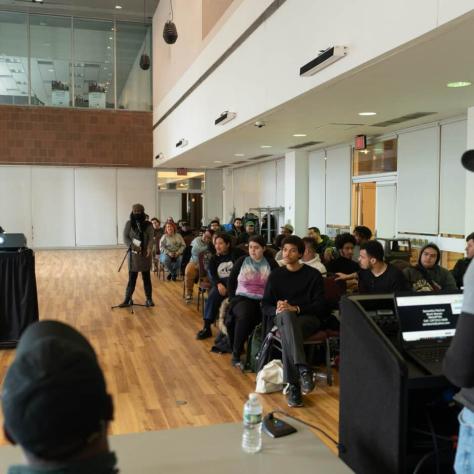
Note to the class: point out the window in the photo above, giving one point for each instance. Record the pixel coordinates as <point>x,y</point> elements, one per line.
<point>377,158</point>
<point>94,64</point>
<point>133,83</point>
<point>51,71</point>
<point>13,59</point>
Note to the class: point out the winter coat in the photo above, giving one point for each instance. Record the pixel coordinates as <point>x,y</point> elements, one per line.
<point>138,261</point>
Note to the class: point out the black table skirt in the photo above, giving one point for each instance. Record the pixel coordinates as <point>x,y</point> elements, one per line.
<point>18,294</point>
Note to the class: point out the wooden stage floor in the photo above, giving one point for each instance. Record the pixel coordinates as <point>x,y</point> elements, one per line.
<point>159,375</point>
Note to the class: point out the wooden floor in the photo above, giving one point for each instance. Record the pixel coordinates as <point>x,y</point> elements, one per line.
<point>160,376</point>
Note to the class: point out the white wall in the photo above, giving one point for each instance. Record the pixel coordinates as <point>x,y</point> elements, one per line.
<point>170,205</point>
<point>64,207</point>
<point>263,72</point>
<point>258,185</point>
<point>213,196</point>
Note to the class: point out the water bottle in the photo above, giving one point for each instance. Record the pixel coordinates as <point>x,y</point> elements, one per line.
<point>252,435</point>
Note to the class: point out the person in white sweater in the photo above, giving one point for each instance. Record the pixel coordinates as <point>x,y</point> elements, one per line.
<point>311,257</point>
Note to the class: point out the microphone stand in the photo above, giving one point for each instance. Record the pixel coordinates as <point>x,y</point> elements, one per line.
<point>133,304</point>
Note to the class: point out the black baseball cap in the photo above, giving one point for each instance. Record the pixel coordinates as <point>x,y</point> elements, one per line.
<point>54,396</point>
<point>467,160</point>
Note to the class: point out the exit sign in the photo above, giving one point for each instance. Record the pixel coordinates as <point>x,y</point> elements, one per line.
<point>360,142</point>
<point>182,171</point>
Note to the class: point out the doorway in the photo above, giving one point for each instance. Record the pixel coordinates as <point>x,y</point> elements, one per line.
<point>191,209</point>
<point>364,202</point>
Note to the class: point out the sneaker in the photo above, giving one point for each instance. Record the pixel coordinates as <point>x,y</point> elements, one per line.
<point>294,397</point>
<point>174,277</point>
<point>307,382</point>
<point>188,299</point>
<point>235,361</point>
<point>169,277</point>
<point>149,302</point>
<point>126,303</point>
<point>204,333</point>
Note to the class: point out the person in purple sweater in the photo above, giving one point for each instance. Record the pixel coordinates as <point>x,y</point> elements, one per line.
<point>246,285</point>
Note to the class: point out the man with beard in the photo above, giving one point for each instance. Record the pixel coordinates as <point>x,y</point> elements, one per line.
<point>138,235</point>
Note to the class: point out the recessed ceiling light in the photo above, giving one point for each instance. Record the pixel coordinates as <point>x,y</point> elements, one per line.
<point>265,146</point>
<point>118,7</point>
<point>454,85</point>
<point>239,154</point>
<point>367,113</point>
<point>217,161</point>
<point>51,70</point>
<point>299,135</point>
<point>108,47</point>
<point>111,37</point>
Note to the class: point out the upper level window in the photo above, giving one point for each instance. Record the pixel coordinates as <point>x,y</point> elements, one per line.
<point>381,157</point>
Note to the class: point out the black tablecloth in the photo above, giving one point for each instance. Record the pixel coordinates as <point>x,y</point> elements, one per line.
<point>18,295</point>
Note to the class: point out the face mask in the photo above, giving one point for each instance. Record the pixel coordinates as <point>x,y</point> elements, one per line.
<point>140,217</point>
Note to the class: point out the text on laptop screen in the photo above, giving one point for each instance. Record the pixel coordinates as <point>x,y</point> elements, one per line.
<point>429,316</point>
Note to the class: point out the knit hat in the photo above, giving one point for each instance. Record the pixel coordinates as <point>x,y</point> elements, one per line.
<point>288,227</point>
<point>54,394</point>
<point>468,160</point>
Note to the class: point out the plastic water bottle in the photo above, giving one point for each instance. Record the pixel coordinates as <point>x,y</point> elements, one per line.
<point>252,435</point>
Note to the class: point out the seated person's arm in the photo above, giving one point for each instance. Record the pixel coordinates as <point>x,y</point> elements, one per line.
<point>346,276</point>
<point>269,301</point>
<point>163,245</point>
<point>182,245</point>
<point>316,304</point>
<point>234,274</point>
<point>212,272</point>
<point>449,282</point>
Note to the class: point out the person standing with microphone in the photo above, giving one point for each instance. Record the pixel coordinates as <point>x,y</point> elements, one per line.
<point>138,235</point>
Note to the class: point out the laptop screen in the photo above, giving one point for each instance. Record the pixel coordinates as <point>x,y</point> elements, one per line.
<point>428,316</point>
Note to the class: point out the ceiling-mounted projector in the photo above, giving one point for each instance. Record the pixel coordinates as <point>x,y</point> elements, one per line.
<point>324,59</point>
<point>182,143</point>
<point>225,117</point>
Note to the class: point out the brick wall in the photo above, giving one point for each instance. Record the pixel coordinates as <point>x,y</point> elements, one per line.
<point>48,135</point>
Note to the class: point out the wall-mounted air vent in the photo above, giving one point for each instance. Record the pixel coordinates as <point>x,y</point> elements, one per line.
<point>303,145</point>
<point>403,118</point>
<point>259,157</point>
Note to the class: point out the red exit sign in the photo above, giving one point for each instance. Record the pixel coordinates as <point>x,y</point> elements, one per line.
<point>360,142</point>
<point>182,171</point>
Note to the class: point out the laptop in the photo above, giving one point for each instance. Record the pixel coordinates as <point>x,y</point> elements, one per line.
<point>427,326</point>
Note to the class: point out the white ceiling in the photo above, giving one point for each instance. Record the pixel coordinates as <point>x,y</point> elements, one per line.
<point>409,80</point>
<point>132,10</point>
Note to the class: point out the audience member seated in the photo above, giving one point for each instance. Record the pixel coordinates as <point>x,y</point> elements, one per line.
<point>157,234</point>
<point>310,256</point>
<point>461,265</point>
<point>294,298</point>
<point>220,266</point>
<point>199,245</point>
<point>245,288</point>
<point>55,403</point>
<point>375,275</point>
<point>362,234</point>
<point>428,275</point>
<point>249,231</point>
<point>171,250</point>
<point>322,241</point>
<point>215,225</point>
<point>237,229</point>
<point>345,244</point>
<point>286,230</point>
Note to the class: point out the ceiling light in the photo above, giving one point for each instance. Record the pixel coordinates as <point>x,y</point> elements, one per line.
<point>265,146</point>
<point>300,135</point>
<point>367,114</point>
<point>239,154</point>
<point>108,47</point>
<point>37,1</point>
<point>51,70</point>
<point>217,161</point>
<point>111,38</point>
<point>455,85</point>
<point>118,7</point>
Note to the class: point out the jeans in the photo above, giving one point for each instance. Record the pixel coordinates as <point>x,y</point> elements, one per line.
<point>213,303</point>
<point>173,266</point>
<point>464,463</point>
<point>246,314</point>
<point>294,329</point>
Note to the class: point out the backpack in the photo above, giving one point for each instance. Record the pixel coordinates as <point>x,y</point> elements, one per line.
<point>253,347</point>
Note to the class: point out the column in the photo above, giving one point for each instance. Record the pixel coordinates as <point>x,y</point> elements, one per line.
<point>469,214</point>
<point>296,191</point>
